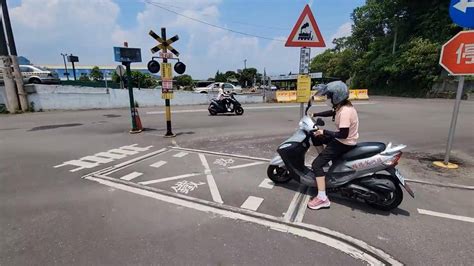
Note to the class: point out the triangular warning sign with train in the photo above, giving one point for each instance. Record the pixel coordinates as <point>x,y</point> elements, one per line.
<point>305,33</point>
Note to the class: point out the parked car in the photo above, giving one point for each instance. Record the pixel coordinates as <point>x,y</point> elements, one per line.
<point>37,75</point>
<point>270,88</point>
<point>214,87</point>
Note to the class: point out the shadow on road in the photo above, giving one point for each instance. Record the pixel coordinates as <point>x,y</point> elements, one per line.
<point>362,206</point>
<point>351,203</point>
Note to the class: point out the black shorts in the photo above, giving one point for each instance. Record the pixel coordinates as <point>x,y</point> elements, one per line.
<point>333,150</point>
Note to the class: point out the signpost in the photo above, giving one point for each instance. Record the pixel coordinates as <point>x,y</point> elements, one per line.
<point>73,59</point>
<point>127,56</point>
<point>457,57</point>
<point>166,73</point>
<point>120,70</point>
<point>305,34</point>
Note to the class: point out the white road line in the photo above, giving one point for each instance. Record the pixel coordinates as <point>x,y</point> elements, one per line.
<point>303,208</point>
<point>131,176</point>
<point>248,108</point>
<point>328,237</point>
<point>292,207</point>
<point>245,165</point>
<point>267,183</point>
<point>216,196</point>
<point>222,154</point>
<point>445,215</point>
<point>158,164</point>
<point>149,182</point>
<point>181,154</point>
<point>252,203</point>
<point>139,158</point>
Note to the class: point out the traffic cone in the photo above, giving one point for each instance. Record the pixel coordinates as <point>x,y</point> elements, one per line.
<point>138,122</point>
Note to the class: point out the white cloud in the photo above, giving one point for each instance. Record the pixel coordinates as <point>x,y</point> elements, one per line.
<point>343,31</point>
<point>89,28</point>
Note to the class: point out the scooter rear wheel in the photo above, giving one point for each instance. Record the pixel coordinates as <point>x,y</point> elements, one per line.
<point>278,175</point>
<point>392,200</point>
<point>211,111</point>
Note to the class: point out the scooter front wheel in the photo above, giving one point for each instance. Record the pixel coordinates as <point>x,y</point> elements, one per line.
<point>278,175</point>
<point>239,110</point>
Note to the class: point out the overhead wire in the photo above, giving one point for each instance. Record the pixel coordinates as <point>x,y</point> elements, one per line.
<point>210,24</point>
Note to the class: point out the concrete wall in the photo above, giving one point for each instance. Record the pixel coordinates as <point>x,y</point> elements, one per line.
<point>57,97</point>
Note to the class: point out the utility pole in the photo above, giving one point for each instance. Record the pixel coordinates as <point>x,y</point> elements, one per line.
<point>10,90</point>
<point>65,66</point>
<point>73,68</point>
<point>13,55</point>
<point>395,40</point>
<point>245,63</point>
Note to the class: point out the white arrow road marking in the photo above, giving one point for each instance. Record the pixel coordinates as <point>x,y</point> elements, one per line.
<point>216,196</point>
<point>252,203</point>
<point>245,165</point>
<point>448,216</point>
<point>463,5</point>
<point>131,176</point>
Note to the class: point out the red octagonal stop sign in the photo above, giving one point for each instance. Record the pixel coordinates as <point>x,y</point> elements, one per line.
<point>457,55</point>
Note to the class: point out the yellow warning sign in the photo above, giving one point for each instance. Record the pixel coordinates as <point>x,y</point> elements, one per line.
<point>166,71</point>
<point>303,88</point>
<point>167,96</point>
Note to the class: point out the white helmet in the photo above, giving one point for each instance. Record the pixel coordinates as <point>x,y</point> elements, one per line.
<point>337,91</point>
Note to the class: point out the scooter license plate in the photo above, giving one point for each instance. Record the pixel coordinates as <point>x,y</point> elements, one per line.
<point>400,176</point>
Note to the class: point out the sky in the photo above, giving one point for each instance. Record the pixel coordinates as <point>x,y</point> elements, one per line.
<point>91,28</point>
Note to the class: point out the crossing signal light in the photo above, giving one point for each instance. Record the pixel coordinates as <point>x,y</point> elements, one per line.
<point>179,68</point>
<point>153,66</point>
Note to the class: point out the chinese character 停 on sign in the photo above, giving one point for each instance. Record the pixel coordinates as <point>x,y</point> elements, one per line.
<point>465,51</point>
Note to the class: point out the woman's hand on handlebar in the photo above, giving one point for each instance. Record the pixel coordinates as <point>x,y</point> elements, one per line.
<point>318,132</point>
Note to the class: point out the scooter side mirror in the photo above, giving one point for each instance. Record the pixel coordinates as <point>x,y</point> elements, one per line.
<point>320,122</point>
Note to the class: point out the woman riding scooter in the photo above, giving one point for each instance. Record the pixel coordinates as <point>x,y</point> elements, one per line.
<point>337,142</point>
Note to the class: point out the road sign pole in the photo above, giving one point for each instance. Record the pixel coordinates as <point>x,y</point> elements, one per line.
<point>454,119</point>
<point>169,132</point>
<point>304,69</point>
<point>73,70</point>
<point>132,100</point>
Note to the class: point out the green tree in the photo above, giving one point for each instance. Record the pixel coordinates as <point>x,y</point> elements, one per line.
<point>220,77</point>
<point>247,76</point>
<point>139,79</point>
<point>183,80</point>
<point>394,46</point>
<point>96,74</point>
<point>84,77</point>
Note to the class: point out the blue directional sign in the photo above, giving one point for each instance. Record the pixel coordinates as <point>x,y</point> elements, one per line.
<point>462,12</point>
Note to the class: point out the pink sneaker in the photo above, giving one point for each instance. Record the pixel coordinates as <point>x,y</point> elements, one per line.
<point>316,203</point>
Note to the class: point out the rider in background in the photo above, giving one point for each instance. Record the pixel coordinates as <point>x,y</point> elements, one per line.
<point>337,142</point>
<point>222,97</point>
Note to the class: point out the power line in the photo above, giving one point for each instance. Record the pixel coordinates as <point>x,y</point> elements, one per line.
<point>213,25</point>
<point>229,21</point>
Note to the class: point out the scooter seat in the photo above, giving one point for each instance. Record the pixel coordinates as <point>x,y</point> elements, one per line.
<point>364,150</point>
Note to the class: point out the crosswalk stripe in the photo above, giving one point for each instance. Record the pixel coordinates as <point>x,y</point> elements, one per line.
<point>252,203</point>
<point>267,183</point>
<point>158,164</point>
